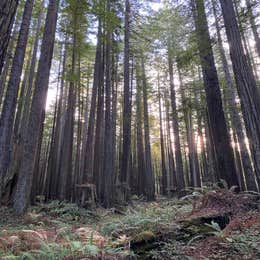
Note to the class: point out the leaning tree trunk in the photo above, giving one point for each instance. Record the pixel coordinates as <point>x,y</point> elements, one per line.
<point>23,188</point>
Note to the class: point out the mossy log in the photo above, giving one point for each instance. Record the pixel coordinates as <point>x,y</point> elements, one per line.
<point>218,207</point>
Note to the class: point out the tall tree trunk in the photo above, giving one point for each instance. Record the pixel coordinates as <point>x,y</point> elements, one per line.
<point>235,118</point>
<point>84,131</point>
<point>23,188</point>
<point>244,39</point>
<point>20,100</point>
<point>9,106</point>
<point>115,82</point>
<point>76,169</point>
<point>21,123</point>
<point>204,163</point>
<point>176,131</point>
<point>67,145</point>
<point>87,174</point>
<point>171,163</point>
<point>221,140</point>
<point>139,135</point>
<point>163,163</point>
<point>55,150</point>
<point>8,10</point>
<point>8,59</point>
<point>253,25</point>
<point>193,156</point>
<point>149,177</point>
<point>99,134</point>
<point>107,197</point>
<point>245,81</point>
<point>124,171</point>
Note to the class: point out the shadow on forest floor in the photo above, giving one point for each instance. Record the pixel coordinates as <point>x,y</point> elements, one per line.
<point>213,225</point>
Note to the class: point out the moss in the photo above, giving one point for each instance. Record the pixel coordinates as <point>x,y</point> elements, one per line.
<point>144,236</point>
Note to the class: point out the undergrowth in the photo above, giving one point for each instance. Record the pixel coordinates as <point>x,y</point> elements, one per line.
<point>145,218</point>
<point>67,211</point>
<point>110,234</point>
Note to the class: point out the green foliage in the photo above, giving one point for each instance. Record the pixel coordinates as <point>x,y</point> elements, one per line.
<point>69,211</point>
<point>247,242</point>
<point>55,251</point>
<point>145,218</point>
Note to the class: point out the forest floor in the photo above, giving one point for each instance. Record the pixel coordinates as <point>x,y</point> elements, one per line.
<point>211,225</point>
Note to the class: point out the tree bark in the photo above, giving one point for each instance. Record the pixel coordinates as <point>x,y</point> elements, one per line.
<point>87,174</point>
<point>193,156</point>
<point>107,197</point>
<point>126,149</point>
<point>149,176</point>
<point>23,188</point>
<point>8,10</point>
<point>65,173</point>
<point>220,137</point>
<point>139,135</point>
<point>163,161</point>
<point>235,117</point>
<point>176,131</point>
<point>245,81</point>
<point>253,26</point>
<point>9,106</point>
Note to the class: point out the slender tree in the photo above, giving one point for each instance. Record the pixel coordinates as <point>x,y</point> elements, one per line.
<point>124,171</point>
<point>149,174</point>
<point>176,131</point>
